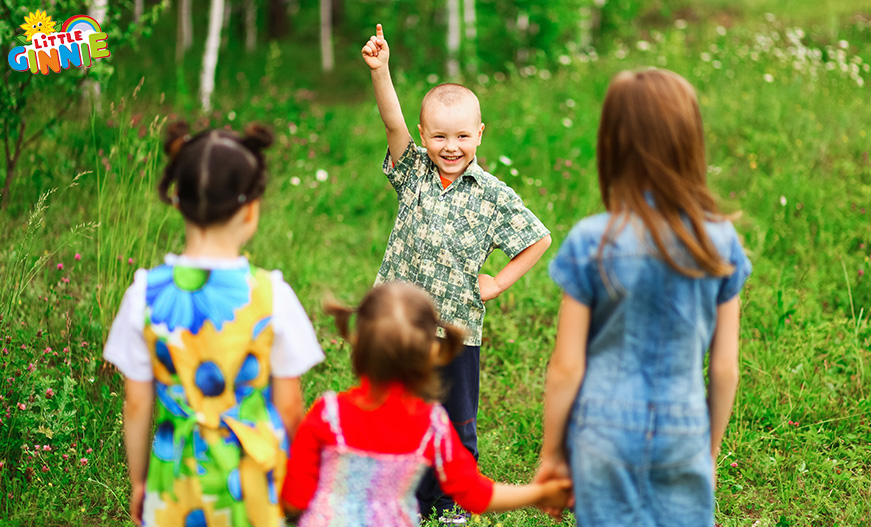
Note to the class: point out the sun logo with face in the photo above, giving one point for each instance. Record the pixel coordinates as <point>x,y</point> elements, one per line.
<point>38,22</point>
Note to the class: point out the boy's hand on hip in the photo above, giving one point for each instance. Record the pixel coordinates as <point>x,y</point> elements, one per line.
<point>490,289</point>
<point>376,53</point>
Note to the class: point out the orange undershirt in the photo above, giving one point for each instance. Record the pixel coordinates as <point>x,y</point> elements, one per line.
<point>445,182</point>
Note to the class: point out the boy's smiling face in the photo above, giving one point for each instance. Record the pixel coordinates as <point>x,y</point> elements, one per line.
<point>451,134</point>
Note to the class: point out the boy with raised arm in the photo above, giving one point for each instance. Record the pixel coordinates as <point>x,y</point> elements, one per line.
<point>451,216</point>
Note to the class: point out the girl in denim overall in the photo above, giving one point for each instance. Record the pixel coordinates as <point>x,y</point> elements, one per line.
<point>358,456</point>
<point>649,286</point>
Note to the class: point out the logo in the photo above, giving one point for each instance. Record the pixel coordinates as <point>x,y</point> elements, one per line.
<point>78,43</point>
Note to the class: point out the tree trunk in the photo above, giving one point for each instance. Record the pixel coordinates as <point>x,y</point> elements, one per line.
<point>210,56</point>
<point>184,32</point>
<point>278,17</point>
<point>523,27</point>
<point>138,9</point>
<point>250,25</point>
<point>12,153</point>
<point>327,61</point>
<point>97,11</point>
<point>471,35</point>
<point>338,13</point>
<point>453,65</point>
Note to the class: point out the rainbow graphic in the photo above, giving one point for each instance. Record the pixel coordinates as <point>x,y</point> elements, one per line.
<point>82,23</point>
<point>79,43</point>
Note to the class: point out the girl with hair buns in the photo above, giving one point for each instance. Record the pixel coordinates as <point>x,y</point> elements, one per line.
<point>358,456</point>
<point>216,345</point>
<point>650,286</point>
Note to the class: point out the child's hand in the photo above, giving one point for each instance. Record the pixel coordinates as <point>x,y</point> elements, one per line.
<point>489,287</point>
<point>554,470</point>
<point>376,52</point>
<point>555,497</point>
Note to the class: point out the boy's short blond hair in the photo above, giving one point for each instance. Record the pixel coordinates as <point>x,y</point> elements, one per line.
<point>449,94</point>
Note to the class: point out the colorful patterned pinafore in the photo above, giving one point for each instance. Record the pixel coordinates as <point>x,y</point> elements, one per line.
<point>220,446</point>
<point>358,488</point>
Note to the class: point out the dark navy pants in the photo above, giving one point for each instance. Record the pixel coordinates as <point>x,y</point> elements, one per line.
<point>461,379</point>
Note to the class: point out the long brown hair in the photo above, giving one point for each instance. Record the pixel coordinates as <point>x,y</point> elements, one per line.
<point>395,331</point>
<point>651,139</point>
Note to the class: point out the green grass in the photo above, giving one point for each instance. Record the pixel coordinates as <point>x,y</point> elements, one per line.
<point>792,154</point>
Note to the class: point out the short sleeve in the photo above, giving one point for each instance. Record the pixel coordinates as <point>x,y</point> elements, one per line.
<point>410,164</point>
<point>125,347</point>
<point>731,285</point>
<point>303,465</point>
<point>295,348</point>
<point>571,269</point>
<point>517,227</point>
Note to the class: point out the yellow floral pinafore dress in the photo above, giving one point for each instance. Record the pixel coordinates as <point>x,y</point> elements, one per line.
<point>220,447</point>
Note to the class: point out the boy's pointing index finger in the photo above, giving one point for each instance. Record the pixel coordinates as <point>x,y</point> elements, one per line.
<point>379,31</point>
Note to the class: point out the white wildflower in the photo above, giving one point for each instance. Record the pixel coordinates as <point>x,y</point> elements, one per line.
<point>321,175</point>
<point>570,103</point>
<point>567,122</point>
<point>768,77</point>
<point>505,160</point>
<point>680,23</point>
<point>783,201</point>
<point>721,31</point>
<point>642,45</point>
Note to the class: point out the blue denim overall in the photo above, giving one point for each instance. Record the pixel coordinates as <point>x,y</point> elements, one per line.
<point>638,437</point>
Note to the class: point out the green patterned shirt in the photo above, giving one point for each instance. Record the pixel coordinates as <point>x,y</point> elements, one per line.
<point>442,236</point>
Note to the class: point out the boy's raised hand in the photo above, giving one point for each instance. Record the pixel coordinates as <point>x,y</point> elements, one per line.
<point>376,52</point>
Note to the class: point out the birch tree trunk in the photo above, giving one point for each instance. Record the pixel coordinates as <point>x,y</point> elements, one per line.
<point>210,56</point>
<point>453,65</point>
<point>185,31</point>
<point>327,61</point>
<point>471,34</point>
<point>523,27</point>
<point>97,11</point>
<point>138,9</point>
<point>250,25</point>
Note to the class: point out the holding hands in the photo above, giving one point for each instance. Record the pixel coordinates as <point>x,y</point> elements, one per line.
<point>376,52</point>
<point>555,471</point>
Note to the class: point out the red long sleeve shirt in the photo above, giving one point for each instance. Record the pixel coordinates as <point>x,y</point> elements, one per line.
<point>395,426</point>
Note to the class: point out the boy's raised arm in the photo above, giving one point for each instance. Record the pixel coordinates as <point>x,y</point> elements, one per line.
<point>376,53</point>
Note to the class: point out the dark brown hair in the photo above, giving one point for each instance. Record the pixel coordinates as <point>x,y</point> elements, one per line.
<point>215,172</point>
<point>651,139</point>
<point>395,330</point>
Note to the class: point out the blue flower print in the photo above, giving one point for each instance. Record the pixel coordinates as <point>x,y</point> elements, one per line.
<point>186,296</point>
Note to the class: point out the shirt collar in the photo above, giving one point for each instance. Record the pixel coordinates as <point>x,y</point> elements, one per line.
<point>206,262</point>
<point>474,170</point>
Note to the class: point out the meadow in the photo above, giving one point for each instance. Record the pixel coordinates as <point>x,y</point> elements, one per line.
<point>784,97</point>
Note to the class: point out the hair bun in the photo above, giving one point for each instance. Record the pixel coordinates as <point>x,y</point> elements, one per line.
<point>175,137</point>
<point>257,137</point>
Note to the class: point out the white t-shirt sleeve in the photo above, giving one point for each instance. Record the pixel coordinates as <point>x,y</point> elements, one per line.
<point>126,347</point>
<point>295,348</point>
